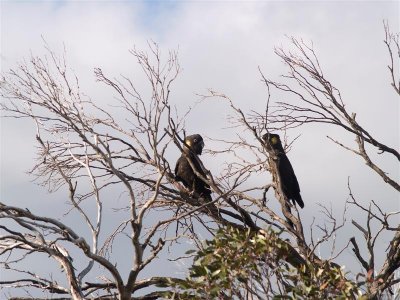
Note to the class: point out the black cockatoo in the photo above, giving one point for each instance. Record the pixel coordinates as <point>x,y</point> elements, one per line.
<point>193,146</point>
<point>289,183</point>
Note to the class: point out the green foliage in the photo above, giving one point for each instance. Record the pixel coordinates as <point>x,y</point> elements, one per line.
<point>320,282</point>
<point>238,263</point>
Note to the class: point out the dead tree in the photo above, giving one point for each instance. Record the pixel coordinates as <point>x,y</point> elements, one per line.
<point>86,149</point>
<point>317,101</point>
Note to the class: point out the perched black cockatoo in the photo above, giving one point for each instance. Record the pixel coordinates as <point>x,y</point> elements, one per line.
<point>193,146</point>
<point>289,184</point>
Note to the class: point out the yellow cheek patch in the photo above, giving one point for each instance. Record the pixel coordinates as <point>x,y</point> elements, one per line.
<point>274,140</point>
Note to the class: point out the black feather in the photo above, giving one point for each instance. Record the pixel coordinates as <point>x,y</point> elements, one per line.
<point>184,172</point>
<point>289,183</point>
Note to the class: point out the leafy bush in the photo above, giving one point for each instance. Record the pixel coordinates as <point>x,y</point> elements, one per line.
<point>239,263</point>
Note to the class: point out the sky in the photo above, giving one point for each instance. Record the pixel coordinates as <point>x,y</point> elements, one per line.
<point>221,45</point>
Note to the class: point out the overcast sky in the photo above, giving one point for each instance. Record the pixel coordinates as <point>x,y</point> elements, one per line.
<point>221,45</point>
